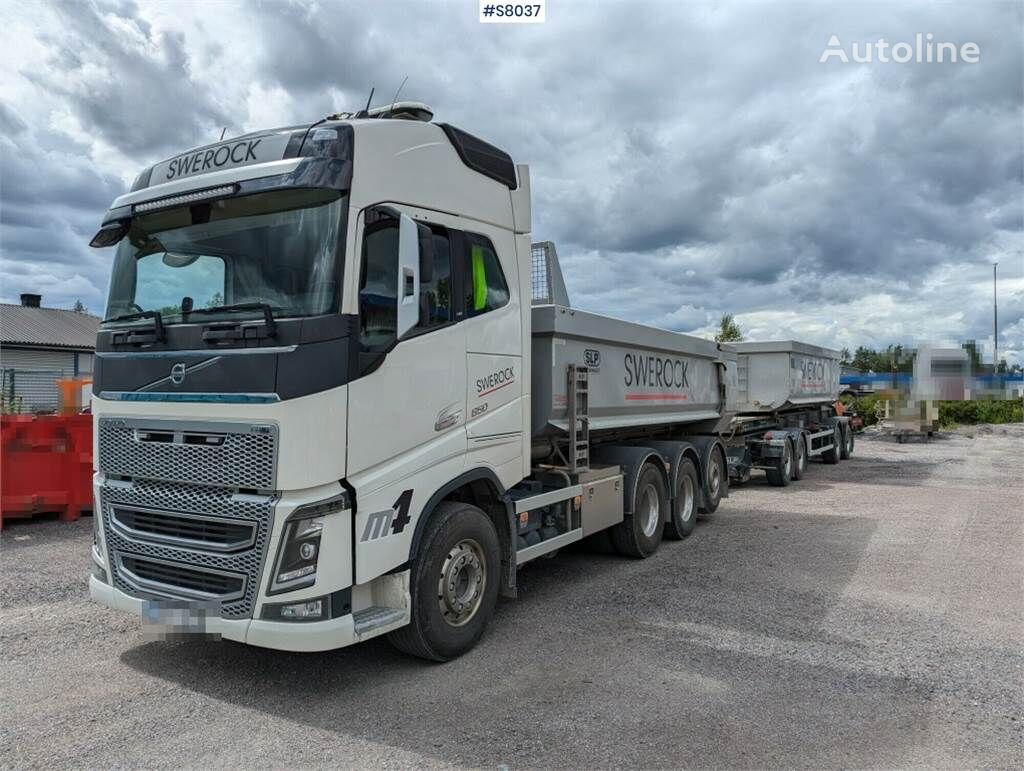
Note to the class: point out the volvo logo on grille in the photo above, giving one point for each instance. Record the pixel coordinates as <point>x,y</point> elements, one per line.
<point>178,373</point>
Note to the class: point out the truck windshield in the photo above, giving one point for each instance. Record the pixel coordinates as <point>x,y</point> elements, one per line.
<point>280,248</point>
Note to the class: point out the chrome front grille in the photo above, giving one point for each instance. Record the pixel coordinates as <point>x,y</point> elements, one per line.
<point>170,539</point>
<point>239,455</point>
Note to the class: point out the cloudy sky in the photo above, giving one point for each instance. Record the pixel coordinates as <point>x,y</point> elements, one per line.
<point>688,160</point>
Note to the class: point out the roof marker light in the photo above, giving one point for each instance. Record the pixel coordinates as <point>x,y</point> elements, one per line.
<point>176,200</point>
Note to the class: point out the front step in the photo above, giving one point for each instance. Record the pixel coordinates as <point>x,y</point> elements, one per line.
<point>377,620</point>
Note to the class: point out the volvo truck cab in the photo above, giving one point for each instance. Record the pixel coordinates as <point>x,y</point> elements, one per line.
<point>298,320</point>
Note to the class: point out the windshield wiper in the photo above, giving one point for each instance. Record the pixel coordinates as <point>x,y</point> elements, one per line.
<point>268,313</point>
<point>158,320</point>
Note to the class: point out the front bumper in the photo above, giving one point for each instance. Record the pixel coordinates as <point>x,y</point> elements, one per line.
<point>299,636</point>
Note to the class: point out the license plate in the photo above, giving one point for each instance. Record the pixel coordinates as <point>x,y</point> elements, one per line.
<point>175,619</point>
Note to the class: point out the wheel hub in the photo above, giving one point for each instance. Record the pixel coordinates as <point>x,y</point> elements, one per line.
<point>650,511</point>
<point>687,508</point>
<point>460,588</point>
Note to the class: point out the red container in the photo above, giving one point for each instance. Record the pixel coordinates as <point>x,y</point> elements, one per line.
<point>45,465</point>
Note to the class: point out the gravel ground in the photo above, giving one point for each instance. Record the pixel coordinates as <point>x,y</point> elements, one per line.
<point>870,615</point>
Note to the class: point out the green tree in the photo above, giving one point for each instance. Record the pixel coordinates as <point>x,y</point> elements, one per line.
<point>844,355</point>
<point>79,307</point>
<point>728,330</point>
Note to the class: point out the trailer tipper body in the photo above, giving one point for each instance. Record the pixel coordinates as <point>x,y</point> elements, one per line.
<point>784,396</point>
<point>331,402</point>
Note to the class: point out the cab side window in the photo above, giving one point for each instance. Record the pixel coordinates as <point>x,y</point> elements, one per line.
<point>378,286</point>
<point>437,292</point>
<point>485,286</point>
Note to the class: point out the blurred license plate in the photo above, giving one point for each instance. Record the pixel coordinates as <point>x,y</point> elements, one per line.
<point>168,619</point>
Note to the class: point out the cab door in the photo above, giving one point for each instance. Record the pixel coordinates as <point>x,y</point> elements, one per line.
<point>407,400</point>
<point>494,351</point>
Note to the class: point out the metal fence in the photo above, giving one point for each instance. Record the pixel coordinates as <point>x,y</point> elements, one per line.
<point>30,391</point>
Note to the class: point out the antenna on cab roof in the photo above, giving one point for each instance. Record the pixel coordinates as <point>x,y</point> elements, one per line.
<point>395,100</point>
<point>365,112</point>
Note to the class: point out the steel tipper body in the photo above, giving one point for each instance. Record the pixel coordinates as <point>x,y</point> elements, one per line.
<point>312,394</point>
<point>785,395</point>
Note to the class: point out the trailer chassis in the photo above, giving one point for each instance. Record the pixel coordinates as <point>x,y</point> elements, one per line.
<point>782,443</point>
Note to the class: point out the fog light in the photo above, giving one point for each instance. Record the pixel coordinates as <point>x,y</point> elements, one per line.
<point>313,609</point>
<point>307,610</point>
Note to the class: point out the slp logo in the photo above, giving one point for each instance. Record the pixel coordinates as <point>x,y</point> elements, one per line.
<point>390,521</point>
<point>592,358</point>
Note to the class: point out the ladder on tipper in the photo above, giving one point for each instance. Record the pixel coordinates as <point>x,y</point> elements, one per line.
<point>578,416</point>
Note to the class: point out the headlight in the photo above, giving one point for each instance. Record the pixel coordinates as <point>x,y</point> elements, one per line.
<point>299,550</point>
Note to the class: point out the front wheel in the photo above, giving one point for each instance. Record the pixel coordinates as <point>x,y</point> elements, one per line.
<point>453,583</point>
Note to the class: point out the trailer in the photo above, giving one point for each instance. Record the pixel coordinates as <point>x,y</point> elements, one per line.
<point>785,409</point>
<point>335,399</point>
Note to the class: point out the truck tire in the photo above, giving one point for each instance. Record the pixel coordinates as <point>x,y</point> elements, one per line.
<point>453,583</point>
<point>639,534</point>
<point>780,475</point>
<point>714,484</point>
<point>684,507</point>
<point>800,459</point>
<point>847,448</point>
<point>831,456</point>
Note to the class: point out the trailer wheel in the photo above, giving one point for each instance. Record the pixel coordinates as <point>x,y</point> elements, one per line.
<point>831,455</point>
<point>800,461</point>
<point>684,508</point>
<point>453,583</point>
<point>780,475</point>
<point>714,485</point>
<point>639,534</point>
<point>847,448</point>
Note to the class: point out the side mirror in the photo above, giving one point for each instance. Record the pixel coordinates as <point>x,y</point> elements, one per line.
<point>408,276</point>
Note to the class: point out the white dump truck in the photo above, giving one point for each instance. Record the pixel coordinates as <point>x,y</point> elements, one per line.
<point>784,396</point>
<point>338,393</point>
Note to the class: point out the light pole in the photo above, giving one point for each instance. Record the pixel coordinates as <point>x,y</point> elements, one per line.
<point>995,321</point>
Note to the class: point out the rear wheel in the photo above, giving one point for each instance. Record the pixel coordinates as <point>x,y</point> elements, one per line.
<point>714,485</point>
<point>640,533</point>
<point>780,475</point>
<point>684,508</point>
<point>800,459</point>
<point>453,582</point>
<point>831,455</point>
<point>847,448</point>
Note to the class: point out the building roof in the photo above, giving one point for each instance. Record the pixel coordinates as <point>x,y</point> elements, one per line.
<point>47,327</point>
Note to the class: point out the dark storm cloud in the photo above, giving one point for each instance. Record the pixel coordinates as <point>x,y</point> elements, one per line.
<point>687,159</point>
<point>137,92</point>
